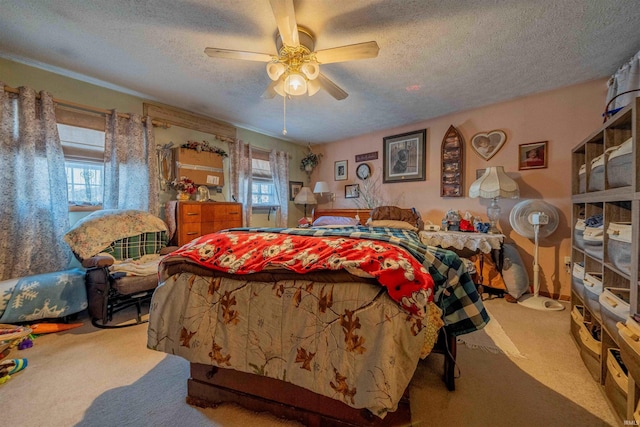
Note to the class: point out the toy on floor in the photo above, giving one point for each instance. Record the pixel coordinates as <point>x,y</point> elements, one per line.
<point>10,367</point>
<point>11,335</point>
<point>48,328</point>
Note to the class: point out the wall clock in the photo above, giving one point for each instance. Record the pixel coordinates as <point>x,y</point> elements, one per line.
<point>363,171</point>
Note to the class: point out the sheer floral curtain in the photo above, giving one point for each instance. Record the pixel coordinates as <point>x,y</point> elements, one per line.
<point>34,211</point>
<point>240,177</point>
<point>627,78</point>
<point>279,163</point>
<point>131,169</point>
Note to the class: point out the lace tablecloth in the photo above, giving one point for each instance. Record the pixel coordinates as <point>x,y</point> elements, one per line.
<point>481,242</point>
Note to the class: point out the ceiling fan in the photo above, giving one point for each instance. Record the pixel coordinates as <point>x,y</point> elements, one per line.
<point>295,69</point>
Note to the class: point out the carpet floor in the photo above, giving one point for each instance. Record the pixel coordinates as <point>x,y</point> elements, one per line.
<point>95,377</point>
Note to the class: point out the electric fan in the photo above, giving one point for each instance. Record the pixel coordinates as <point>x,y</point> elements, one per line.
<point>535,219</point>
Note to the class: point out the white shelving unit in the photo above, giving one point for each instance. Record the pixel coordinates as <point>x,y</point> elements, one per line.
<point>615,204</point>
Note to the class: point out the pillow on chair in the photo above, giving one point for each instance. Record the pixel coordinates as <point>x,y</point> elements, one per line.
<point>95,232</point>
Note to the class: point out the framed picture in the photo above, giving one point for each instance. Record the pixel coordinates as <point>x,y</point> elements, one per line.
<point>294,189</point>
<point>340,170</point>
<point>352,191</point>
<point>404,157</point>
<point>487,144</point>
<point>532,155</point>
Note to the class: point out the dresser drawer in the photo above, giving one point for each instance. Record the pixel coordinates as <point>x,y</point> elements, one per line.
<point>190,213</point>
<point>189,231</point>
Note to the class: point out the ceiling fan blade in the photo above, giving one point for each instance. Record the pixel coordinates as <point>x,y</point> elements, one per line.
<point>348,53</point>
<point>331,87</point>
<point>215,52</point>
<point>286,21</point>
<point>270,91</point>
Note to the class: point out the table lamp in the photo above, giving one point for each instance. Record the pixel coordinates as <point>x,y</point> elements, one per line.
<point>493,184</point>
<point>305,197</point>
<point>321,188</point>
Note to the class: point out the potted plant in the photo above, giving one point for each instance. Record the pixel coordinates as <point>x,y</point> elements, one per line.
<point>310,161</point>
<point>184,186</point>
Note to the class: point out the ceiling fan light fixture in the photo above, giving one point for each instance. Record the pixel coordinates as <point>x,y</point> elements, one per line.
<point>295,84</point>
<point>311,70</point>
<point>275,70</point>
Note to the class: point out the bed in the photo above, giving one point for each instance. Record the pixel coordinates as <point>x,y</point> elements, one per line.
<point>269,322</point>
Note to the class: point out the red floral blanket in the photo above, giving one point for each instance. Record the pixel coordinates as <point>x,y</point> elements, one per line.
<point>239,252</point>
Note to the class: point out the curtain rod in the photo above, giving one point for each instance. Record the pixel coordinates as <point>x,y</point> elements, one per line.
<point>88,108</point>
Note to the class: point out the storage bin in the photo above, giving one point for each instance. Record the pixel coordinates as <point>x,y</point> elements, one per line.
<point>578,233</point>
<point>619,164</point>
<point>593,241</point>
<point>577,279</point>
<point>619,245</point>
<point>616,382</point>
<point>596,174</point>
<point>591,348</point>
<point>577,319</point>
<point>582,179</point>
<point>629,334</point>
<point>593,289</point>
<point>614,308</point>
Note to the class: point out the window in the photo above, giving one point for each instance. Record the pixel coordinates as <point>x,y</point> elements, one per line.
<point>84,163</point>
<point>263,191</point>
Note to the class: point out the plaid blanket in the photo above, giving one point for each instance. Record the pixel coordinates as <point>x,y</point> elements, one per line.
<point>455,291</point>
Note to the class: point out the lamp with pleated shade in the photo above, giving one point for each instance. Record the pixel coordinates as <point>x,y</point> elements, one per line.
<point>493,184</point>
<point>305,197</point>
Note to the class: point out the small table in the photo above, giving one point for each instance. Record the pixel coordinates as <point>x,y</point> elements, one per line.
<point>465,242</point>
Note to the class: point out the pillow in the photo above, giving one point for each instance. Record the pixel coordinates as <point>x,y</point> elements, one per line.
<point>412,216</point>
<point>390,223</point>
<point>514,273</point>
<point>135,247</point>
<point>335,220</point>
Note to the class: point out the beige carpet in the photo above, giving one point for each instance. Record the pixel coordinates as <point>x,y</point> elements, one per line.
<point>92,377</point>
<point>491,338</point>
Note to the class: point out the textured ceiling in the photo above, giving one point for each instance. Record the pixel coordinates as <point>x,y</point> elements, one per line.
<point>436,57</point>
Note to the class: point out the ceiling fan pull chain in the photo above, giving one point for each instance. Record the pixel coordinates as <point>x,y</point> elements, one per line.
<point>284,105</point>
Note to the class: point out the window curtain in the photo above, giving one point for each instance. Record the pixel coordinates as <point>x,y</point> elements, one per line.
<point>34,211</point>
<point>241,178</point>
<point>279,163</point>
<point>627,78</point>
<point>131,169</point>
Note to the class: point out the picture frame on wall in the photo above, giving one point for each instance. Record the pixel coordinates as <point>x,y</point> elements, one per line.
<point>352,191</point>
<point>340,170</point>
<point>533,155</point>
<point>404,157</point>
<point>294,189</point>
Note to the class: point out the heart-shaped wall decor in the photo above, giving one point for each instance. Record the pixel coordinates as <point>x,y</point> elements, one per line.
<point>487,144</point>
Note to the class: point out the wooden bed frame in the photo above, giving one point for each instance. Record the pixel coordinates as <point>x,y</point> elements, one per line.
<point>210,386</point>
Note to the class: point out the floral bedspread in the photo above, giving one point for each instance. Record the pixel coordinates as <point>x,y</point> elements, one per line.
<point>350,341</point>
<point>454,291</point>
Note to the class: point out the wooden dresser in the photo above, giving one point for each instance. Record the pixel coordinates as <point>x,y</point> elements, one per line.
<point>194,219</point>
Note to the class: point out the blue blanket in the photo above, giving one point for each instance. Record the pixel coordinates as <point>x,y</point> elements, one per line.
<point>43,296</point>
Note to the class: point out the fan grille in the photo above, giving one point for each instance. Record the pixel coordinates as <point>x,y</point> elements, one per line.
<point>519,218</point>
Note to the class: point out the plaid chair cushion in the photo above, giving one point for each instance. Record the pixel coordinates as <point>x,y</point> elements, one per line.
<point>137,246</point>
